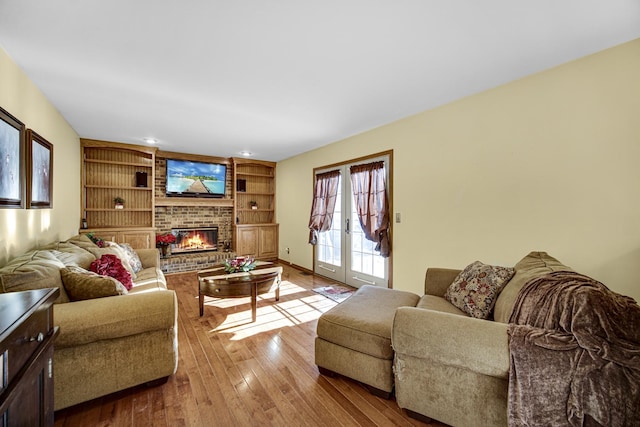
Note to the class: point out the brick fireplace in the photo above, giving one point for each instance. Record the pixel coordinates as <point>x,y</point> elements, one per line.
<point>169,218</point>
<point>189,240</point>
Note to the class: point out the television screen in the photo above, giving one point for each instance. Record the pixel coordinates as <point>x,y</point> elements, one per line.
<point>200,179</point>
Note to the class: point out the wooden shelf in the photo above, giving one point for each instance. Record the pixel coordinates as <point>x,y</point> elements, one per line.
<point>109,171</point>
<point>265,175</point>
<point>241,193</point>
<point>255,232</point>
<point>108,162</point>
<point>192,201</point>
<point>115,187</point>
<point>117,228</point>
<point>119,210</point>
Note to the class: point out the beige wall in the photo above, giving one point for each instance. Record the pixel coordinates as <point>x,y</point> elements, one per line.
<point>549,162</point>
<point>23,229</point>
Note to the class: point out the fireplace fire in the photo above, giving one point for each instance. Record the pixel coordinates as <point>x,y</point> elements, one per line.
<point>195,239</point>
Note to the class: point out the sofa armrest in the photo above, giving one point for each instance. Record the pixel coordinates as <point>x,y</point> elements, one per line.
<point>82,322</point>
<point>149,257</point>
<point>478,345</point>
<point>438,280</point>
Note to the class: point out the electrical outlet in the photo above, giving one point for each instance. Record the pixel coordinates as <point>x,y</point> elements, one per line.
<point>287,250</point>
<point>397,217</point>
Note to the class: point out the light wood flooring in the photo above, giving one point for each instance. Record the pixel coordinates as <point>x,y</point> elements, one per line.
<point>232,372</point>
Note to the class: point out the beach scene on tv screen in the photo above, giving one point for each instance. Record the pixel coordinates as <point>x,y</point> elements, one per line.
<point>195,177</point>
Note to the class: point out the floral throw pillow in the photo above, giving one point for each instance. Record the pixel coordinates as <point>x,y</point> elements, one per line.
<point>110,265</point>
<point>477,287</point>
<point>132,257</point>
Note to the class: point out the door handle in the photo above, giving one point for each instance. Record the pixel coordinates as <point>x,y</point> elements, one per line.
<point>347,230</point>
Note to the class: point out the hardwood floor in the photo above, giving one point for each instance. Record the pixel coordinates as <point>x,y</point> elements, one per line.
<point>232,372</point>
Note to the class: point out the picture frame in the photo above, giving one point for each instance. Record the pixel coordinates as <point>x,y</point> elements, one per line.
<point>40,172</point>
<point>12,161</point>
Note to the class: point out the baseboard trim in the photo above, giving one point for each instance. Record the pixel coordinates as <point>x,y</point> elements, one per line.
<point>297,267</point>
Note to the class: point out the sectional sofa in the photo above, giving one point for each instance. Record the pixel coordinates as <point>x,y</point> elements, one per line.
<point>105,344</point>
<point>450,354</point>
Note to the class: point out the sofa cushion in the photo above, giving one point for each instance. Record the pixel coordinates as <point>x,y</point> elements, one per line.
<point>533,265</point>
<point>363,321</point>
<point>70,254</point>
<point>81,284</point>
<point>93,320</point>
<point>477,287</point>
<point>33,270</point>
<point>149,279</point>
<point>432,302</point>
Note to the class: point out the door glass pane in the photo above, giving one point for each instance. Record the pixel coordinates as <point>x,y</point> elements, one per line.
<point>364,258</point>
<point>329,248</point>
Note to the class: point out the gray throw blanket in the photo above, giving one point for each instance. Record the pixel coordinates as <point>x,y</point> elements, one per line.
<point>575,354</point>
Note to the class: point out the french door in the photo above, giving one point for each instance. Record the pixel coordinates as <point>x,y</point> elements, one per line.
<point>343,253</point>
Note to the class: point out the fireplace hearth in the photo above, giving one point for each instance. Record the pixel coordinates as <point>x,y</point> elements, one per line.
<point>194,240</point>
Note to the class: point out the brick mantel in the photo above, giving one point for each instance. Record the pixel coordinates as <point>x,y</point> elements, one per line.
<point>192,215</point>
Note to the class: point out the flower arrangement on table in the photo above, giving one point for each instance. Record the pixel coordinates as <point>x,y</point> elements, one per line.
<point>165,239</point>
<point>239,264</point>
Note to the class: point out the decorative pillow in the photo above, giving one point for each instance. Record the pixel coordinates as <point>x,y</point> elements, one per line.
<point>132,257</point>
<point>81,284</point>
<point>112,248</point>
<point>476,288</point>
<point>110,265</point>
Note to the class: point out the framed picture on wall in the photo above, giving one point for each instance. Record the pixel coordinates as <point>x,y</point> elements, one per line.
<point>40,170</point>
<point>12,155</point>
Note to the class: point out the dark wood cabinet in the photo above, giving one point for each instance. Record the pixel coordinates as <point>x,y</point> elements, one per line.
<point>26,357</point>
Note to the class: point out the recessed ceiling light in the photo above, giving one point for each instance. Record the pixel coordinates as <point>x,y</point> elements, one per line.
<point>246,153</point>
<point>150,140</point>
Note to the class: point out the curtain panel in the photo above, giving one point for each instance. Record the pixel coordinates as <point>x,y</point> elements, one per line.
<point>324,203</point>
<point>370,195</point>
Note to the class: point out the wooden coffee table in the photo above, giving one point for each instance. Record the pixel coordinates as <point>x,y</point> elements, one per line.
<point>214,282</point>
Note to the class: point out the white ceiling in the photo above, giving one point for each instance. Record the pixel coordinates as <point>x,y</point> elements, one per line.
<point>282,77</point>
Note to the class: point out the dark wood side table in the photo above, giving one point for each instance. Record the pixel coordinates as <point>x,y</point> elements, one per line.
<point>214,282</point>
<point>26,357</point>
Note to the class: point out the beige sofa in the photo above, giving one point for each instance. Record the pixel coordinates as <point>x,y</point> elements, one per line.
<point>105,344</point>
<point>451,367</point>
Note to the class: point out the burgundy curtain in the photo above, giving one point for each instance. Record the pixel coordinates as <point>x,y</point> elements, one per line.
<point>370,195</point>
<point>324,203</point>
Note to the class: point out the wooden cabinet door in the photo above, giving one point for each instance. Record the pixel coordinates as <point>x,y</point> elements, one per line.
<point>31,401</point>
<point>268,241</point>
<point>137,239</point>
<point>247,241</point>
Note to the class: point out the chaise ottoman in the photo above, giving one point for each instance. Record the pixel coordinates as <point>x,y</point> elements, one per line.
<point>354,337</point>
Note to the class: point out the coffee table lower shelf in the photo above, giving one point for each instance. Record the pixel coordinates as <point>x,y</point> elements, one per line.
<point>251,284</point>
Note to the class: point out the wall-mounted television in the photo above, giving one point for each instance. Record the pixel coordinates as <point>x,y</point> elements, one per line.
<point>186,178</point>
